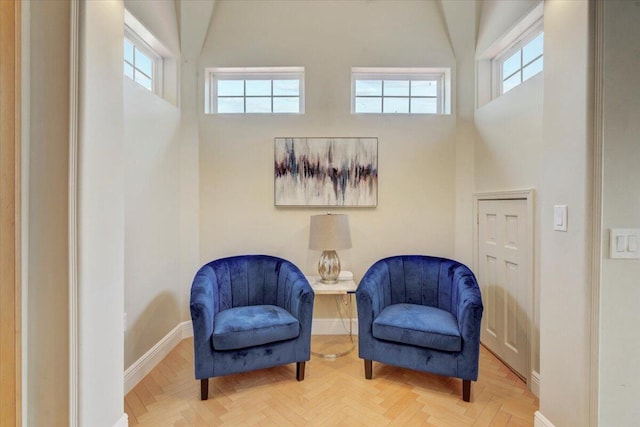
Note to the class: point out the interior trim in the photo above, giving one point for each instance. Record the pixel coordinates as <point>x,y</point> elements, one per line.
<point>535,383</point>
<point>73,213</point>
<point>540,420</point>
<point>10,215</point>
<point>596,220</point>
<point>141,367</point>
<point>123,421</point>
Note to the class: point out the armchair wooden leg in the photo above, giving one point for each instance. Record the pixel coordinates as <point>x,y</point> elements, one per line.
<point>300,371</point>
<point>466,390</point>
<point>368,369</point>
<point>204,389</point>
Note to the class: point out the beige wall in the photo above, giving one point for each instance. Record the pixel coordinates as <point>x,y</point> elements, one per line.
<point>565,265</point>
<point>100,190</point>
<point>194,18</point>
<point>620,290</point>
<point>159,17</point>
<point>416,154</point>
<point>154,292</point>
<point>498,17</point>
<point>461,19</point>
<point>539,135</point>
<point>45,292</point>
<point>148,224</point>
<point>508,148</point>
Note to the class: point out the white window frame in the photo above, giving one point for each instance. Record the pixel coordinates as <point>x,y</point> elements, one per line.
<point>496,63</point>
<point>212,75</point>
<point>156,60</point>
<point>441,75</point>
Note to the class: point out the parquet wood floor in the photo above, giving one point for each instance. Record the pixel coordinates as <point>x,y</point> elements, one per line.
<point>333,393</point>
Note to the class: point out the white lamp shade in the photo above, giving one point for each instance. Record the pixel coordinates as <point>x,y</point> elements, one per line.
<point>329,232</point>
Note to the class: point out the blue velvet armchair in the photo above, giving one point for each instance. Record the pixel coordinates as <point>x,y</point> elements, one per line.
<point>423,313</point>
<point>249,312</point>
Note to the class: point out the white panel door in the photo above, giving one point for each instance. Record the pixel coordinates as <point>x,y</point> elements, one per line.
<point>503,268</point>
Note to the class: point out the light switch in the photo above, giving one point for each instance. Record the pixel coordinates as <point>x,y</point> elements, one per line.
<point>624,243</point>
<point>557,221</point>
<point>560,217</point>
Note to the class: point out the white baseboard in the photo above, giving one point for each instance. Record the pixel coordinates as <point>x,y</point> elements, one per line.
<point>535,383</point>
<point>141,367</point>
<point>540,420</point>
<point>333,326</point>
<point>123,421</point>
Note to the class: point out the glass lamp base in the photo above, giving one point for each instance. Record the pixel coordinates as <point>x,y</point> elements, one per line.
<point>329,267</point>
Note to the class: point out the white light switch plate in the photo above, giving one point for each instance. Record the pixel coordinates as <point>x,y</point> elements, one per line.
<point>624,243</point>
<point>560,217</point>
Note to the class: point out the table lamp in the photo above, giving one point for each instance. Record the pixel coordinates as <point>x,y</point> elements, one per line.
<point>329,233</point>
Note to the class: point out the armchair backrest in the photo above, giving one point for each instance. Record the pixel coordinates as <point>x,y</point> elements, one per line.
<point>250,280</point>
<point>420,279</point>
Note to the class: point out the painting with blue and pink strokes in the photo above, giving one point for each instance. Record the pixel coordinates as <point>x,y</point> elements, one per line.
<point>326,172</point>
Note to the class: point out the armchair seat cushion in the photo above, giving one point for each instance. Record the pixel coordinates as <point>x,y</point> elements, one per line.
<point>253,325</point>
<point>418,325</point>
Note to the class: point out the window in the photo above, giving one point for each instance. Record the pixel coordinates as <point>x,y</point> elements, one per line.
<point>141,63</point>
<point>520,62</point>
<point>400,91</point>
<point>272,90</point>
<point>149,62</point>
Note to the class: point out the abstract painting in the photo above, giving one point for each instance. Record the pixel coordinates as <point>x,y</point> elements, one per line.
<point>326,172</point>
